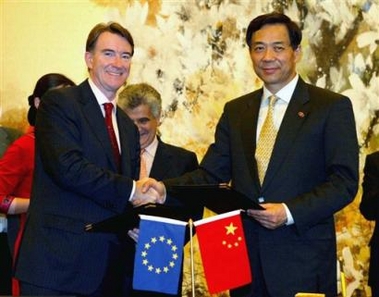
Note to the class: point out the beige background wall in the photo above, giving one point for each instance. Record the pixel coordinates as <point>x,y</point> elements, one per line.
<point>193,52</point>
<point>40,37</point>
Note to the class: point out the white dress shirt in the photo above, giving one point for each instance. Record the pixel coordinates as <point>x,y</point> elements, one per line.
<point>149,154</point>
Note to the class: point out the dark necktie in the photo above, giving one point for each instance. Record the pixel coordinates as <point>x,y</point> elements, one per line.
<point>108,121</point>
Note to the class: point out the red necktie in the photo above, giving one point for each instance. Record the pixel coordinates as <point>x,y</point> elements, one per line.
<point>108,121</point>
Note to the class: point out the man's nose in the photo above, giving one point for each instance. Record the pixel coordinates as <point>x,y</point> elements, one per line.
<point>269,54</point>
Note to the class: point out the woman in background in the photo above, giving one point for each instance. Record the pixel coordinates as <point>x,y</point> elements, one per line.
<point>17,166</point>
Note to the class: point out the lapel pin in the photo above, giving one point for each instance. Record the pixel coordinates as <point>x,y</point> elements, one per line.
<point>301,114</point>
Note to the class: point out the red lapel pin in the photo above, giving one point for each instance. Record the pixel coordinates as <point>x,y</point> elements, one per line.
<point>301,114</point>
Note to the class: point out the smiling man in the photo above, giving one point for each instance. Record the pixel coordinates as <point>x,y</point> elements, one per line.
<point>293,147</point>
<point>143,104</point>
<point>87,163</point>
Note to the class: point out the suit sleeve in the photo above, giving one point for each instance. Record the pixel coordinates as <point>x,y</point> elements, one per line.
<point>369,205</point>
<point>192,163</point>
<point>215,167</point>
<point>339,155</point>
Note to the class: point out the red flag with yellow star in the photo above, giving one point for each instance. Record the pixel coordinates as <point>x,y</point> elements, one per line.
<point>223,251</point>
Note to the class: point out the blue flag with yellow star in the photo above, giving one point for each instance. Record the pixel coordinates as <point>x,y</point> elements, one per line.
<point>159,255</point>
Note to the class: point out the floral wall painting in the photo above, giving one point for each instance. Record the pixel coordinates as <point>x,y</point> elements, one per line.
<point>194,53</point>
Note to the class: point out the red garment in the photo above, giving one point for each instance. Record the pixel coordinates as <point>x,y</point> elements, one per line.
<point>16,174</point>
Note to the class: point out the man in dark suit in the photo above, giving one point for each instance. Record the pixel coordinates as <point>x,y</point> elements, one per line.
<point>78,180</point>
<point>369,207</point>
<point>143,104</point>
<point>312,171</point>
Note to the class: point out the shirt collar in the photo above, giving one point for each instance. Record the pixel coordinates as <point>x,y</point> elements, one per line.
<point>284,93</point>
<point>100,97</point>
<point>152,147</point>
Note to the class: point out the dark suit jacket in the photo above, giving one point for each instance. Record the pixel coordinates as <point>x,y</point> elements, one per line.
<point>369,207</point>
<point>313,169</point>
<point>74,184</point>
<point>172,161</point>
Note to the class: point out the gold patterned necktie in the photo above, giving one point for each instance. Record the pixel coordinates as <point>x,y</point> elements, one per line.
<point>266,140</point>
<point>143,166</point>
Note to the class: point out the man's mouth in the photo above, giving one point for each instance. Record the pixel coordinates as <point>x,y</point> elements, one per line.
<point>269,70</point>
<point>115,73</point>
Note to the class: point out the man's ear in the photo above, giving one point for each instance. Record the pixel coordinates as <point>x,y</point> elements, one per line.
<point>298,53</point>
<point>88,57</point>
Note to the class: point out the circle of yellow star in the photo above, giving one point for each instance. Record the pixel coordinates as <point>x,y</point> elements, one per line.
<point>154,242</point>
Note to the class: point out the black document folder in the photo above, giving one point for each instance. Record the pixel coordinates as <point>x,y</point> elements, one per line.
<point>219,198</point>
<point>130,219</point>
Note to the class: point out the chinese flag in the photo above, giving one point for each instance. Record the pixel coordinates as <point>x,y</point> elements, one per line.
<point>223,251</point>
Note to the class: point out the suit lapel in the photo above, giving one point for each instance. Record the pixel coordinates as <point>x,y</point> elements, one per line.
<point>95,119</point>
<point>160,163</point>
<point>125,137</point>
<point>249,120</point>
<point>295,116</point>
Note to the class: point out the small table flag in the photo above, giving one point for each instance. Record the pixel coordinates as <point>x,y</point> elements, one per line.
<point>159,254</point>
<point>223,251</point>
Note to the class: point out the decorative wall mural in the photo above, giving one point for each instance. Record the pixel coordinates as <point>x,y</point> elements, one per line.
<point>194,53</point>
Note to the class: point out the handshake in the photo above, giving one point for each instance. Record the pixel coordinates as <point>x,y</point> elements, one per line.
<point>148,190</point>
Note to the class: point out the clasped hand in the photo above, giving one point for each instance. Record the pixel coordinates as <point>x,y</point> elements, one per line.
<point>272,217</point>
<point>148,190</point>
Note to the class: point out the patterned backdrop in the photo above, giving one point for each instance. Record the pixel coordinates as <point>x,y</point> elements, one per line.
<point>194,53</point>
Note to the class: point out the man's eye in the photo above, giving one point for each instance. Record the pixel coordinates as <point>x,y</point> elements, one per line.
<point>258,48</point>
<point>278,48</point>
<point>126,56</point>
<point>143,121</point>
<point>108,54</point>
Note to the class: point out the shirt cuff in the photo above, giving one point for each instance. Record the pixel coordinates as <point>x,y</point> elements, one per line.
<point>133,190</point>
<point>290,220</point>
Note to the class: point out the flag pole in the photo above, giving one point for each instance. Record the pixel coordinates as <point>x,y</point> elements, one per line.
<point>191,258</point>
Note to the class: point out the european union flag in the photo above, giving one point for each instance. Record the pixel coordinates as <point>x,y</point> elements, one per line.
<point>159,254</point>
